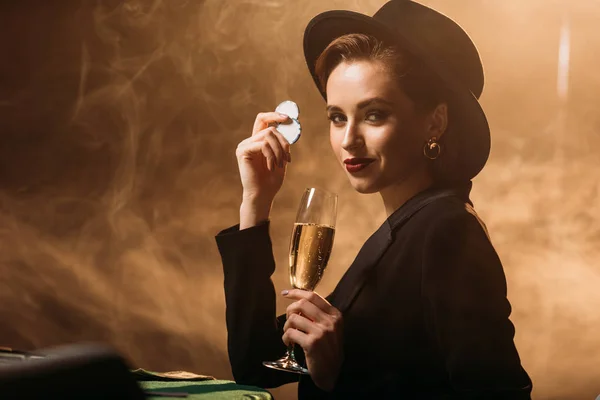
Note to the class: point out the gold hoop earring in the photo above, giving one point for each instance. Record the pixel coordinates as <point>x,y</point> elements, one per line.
<point>432,149</point>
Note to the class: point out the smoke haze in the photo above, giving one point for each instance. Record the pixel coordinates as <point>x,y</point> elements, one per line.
<point>118,126</point>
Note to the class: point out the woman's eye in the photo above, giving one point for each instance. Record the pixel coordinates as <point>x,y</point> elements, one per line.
<point>375,116</point>
<point>336,118</point>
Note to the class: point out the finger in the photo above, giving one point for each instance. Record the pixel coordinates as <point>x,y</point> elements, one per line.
<point>250,149</point>
<point>285,145</point>
<point>269,155</point>
<point>307,309</point>
<point>263,120</point>
<point>295,336</point>
<point>282,142</point>
<point>316,299</point>
<point>299,322</point>
<point>275,145</point>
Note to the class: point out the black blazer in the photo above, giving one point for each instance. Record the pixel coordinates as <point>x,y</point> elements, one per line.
<point>424,305</point>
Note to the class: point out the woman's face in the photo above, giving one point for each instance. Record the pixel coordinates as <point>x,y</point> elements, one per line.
<point>375,132</point>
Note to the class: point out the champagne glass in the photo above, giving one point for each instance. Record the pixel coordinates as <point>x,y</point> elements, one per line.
<point>310,248</point>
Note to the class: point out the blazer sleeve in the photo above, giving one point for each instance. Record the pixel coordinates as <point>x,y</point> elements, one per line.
<point>253,331</point>
<point>467,311</point>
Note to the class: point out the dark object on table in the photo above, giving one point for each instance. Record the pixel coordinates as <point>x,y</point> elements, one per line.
<point>79,371</point>
<point>10,356</point>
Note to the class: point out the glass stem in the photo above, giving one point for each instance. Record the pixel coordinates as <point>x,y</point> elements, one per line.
<point>290,353</point>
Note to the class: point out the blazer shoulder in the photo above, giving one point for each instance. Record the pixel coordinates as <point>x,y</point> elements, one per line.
<point>444,208</point>
<point>448,213</point>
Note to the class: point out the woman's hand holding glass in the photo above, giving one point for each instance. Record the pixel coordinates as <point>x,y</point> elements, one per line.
<point>316,326</point>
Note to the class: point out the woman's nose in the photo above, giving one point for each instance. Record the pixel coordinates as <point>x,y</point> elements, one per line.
<point>352,137</point>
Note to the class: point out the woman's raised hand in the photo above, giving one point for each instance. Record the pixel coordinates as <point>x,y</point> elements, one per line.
<point>262,160</point>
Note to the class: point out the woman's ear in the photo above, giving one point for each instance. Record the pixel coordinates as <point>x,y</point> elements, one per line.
<point>438,121</point>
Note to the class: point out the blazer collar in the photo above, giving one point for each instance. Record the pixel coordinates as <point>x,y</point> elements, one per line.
<point>414,204</point>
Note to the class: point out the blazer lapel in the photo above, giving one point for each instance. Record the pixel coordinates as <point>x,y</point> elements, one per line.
<point>375,247</point>
<point>355,276</point>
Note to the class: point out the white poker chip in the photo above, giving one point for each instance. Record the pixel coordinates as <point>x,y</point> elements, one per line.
<point>288,108</point>
<point>290,130</point>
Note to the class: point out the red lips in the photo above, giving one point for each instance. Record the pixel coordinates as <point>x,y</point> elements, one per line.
<point>357,164</point>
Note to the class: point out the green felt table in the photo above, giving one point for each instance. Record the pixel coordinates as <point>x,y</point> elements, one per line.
<point>205,390</point>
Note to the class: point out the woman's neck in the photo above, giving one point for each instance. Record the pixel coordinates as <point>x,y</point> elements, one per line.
<point>396,194</point>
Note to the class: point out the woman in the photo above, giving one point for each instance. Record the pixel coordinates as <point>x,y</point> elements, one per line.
<point>422,312</point>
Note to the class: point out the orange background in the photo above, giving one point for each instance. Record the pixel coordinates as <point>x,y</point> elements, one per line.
<point>118,126</point>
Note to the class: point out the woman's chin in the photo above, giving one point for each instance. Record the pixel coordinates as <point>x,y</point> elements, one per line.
<point>363,186</point>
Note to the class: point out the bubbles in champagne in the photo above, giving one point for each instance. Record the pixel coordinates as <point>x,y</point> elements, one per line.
<point>310,249</point>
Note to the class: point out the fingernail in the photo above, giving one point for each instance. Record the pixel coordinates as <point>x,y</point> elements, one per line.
<point>285,292</point>
<point>284,115</point>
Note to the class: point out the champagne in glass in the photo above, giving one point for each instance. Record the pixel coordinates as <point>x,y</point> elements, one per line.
<point>309,252</point>
<point>310,248</point>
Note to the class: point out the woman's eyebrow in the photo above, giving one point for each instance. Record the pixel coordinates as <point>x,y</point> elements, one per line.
<point>363,103</point>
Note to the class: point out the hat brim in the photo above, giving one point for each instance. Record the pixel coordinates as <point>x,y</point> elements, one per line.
<point>470,136</point>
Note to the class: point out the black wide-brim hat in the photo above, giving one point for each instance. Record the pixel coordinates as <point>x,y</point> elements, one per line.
<point>438,42</point>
